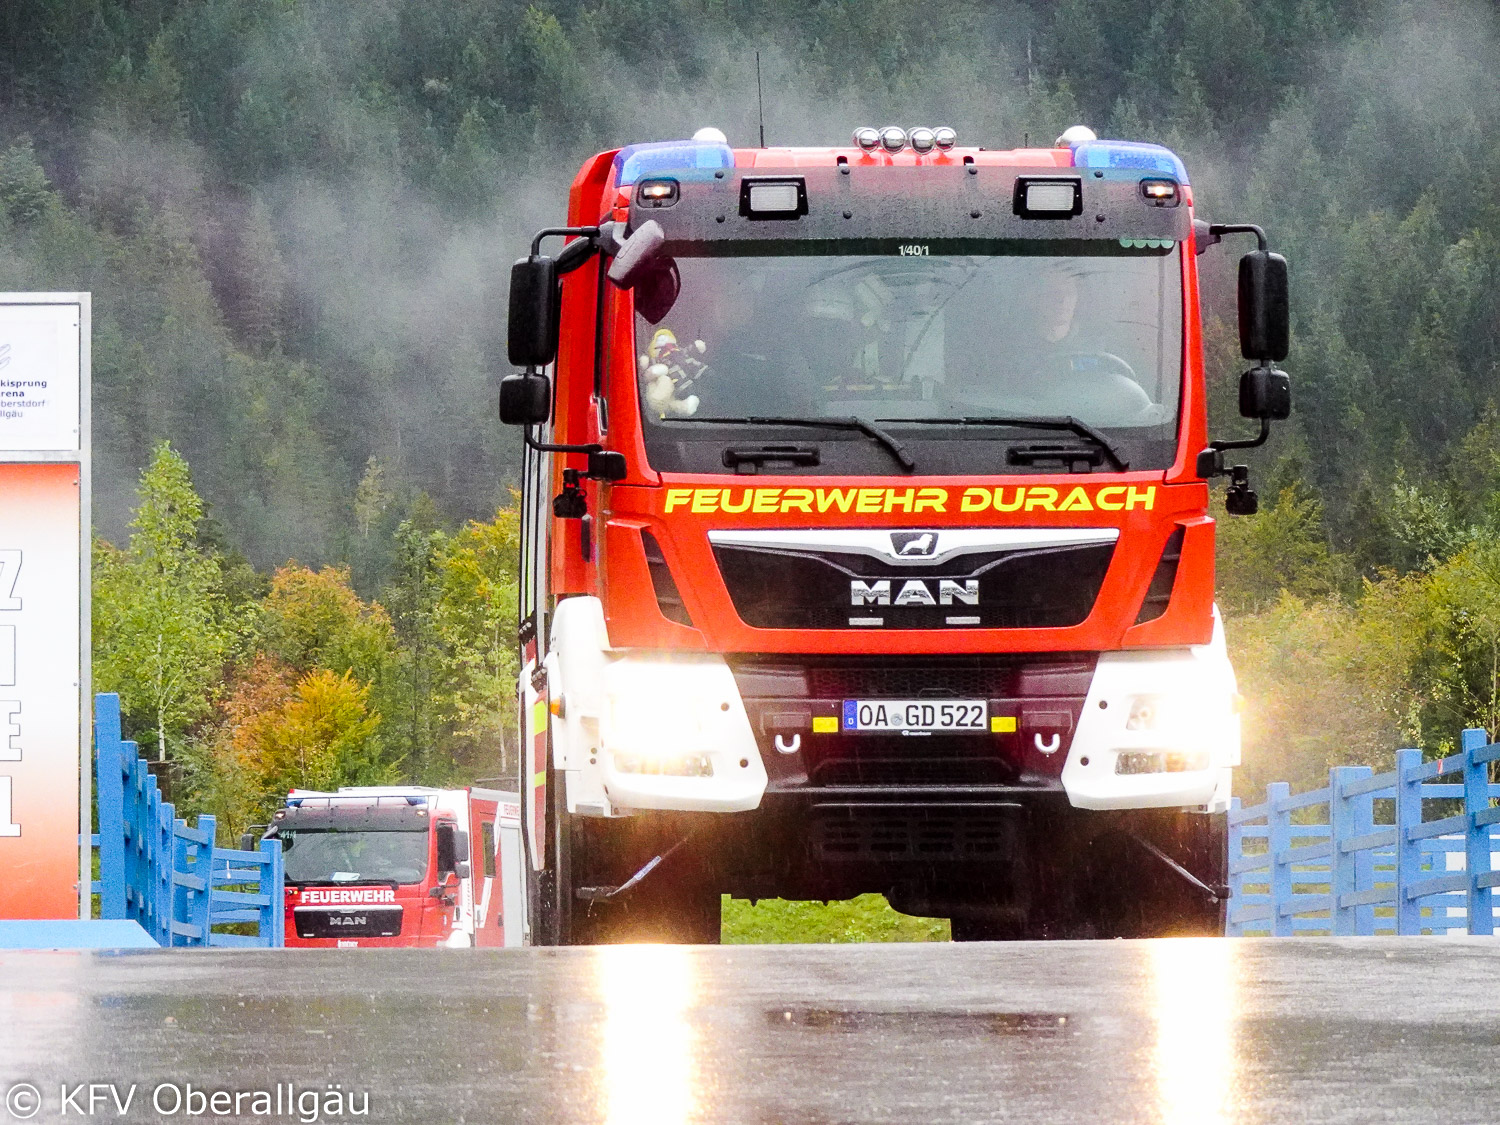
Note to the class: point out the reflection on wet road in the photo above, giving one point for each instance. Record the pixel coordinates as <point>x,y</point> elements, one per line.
<point>1195,1004</point>
<point>646,1042</point>
<point>1168,1033</point>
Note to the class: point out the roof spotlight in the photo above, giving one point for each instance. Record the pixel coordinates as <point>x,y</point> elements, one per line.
<point>944,137</point>
<point>922,140</point>
<point>893,138</point>
<point>867,138</point>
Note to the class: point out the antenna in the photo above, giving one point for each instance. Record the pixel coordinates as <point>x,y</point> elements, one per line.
<point>760,101</point>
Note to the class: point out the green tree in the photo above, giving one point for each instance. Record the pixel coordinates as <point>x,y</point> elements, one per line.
<point>162,626</point>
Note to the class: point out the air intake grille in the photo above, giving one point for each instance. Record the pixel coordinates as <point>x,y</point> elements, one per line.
<point>668,596</point>
<point>914,833</point>
<point>1160,592</point>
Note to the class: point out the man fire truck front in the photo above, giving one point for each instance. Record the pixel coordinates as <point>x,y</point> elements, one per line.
<point>866,542</point>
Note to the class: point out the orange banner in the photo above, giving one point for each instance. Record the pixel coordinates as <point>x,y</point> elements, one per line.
<point>39,690</point>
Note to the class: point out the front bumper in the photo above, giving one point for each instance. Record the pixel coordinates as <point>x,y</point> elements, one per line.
<point>638,730</point>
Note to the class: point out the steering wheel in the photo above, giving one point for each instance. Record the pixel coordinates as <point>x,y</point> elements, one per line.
<point>1107,386</point>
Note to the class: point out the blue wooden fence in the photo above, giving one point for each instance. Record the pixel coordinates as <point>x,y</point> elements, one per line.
<point>1368,868</point>
<point>156,870</point>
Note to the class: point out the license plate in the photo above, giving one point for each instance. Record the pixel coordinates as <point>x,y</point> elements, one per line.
<point>916,714</point>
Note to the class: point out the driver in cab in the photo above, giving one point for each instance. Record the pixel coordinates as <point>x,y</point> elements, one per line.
<point>1047,367</point>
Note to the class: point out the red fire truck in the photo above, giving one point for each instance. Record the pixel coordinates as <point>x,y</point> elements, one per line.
<point>866,541</point>
<point>402,866</point>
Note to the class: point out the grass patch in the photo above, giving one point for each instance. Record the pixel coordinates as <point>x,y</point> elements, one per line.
<point>775,921</point>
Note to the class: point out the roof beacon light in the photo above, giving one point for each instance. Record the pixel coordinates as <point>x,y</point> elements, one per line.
<point>1075,135</point>
<point>689,161</point>
<point>867,138</point>
<point>893,138</point>
<point>712,135</point>
<point>1129,160</point>
<point>922,140</point>
<point>944,137</point>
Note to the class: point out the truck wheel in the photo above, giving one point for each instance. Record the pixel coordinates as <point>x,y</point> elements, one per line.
<point>550,891</point>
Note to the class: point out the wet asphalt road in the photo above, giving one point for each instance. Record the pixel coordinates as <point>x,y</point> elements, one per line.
<point>1185,1031</point>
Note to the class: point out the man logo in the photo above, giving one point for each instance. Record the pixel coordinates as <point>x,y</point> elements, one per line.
<point>914,591</point>
<point>914,544</point>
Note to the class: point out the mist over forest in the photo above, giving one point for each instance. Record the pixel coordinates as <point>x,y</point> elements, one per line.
<point>297,218</point>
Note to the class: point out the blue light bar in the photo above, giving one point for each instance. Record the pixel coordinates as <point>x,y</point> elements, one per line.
<point>1124,160</point>
<point>682,160</point>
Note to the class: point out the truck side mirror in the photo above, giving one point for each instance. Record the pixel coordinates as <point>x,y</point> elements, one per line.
<point>535,309</point>
<point>1265,392</point>
<point>641,266</point>
<point>1265,316</point>
<point>463,869</point>
<point>525,400</point>
<point>638,253</point>
<point>248,842</point>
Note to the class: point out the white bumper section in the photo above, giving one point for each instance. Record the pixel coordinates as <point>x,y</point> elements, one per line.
<point>646,731</point>
<point>1160,729</point>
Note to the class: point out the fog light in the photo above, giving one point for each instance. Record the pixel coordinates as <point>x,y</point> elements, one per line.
<point>944,137</point>
<point>893,138</point>
<point>867,138</point>
<point>922,140</point>
<point>1129,762</point>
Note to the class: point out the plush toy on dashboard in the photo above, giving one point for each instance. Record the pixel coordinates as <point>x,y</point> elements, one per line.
<point>668,371</point>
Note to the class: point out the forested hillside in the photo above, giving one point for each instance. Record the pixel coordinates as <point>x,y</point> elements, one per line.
<point>296,217</point>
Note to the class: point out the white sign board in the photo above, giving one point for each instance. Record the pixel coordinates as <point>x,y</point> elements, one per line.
<point>40,378</point>
<point>44,575</point>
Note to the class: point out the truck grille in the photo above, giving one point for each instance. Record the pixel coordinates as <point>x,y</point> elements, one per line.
<point>1050,587</point>
<point>347,921</point>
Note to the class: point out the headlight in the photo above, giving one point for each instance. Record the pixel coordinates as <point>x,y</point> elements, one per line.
<point>1175,714</point>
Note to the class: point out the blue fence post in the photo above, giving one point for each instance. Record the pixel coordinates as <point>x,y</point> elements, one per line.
<point>273,886</point>
<point>200,898</point>
<point>1345,822</point>
<point>1477,834</point>
<point>109,785</point>
<point>1408,851</point>
<point>1236,878</point>
<point>1279,869</point>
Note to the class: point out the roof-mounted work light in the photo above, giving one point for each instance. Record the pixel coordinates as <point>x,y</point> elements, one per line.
<point>867,138</point>
<point>784,197</point>
<point>656,193</point>
<point>1051,198</point>
<point>1162,193</point>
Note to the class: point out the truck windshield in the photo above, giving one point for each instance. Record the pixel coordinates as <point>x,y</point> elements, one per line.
<point>922,334</point>
<point>326,855</point>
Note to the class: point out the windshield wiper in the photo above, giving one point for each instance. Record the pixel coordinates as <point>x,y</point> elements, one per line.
<point>894,447</point>
<point>1062,422</point>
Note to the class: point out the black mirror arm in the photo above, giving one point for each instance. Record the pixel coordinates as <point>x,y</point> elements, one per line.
<point>603,465</point>
<point>1211,460</point>
<point>569,258</point>
<point>1216,231</point>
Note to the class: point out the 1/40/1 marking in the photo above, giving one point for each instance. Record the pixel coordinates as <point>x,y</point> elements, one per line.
<point>913,250</point>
